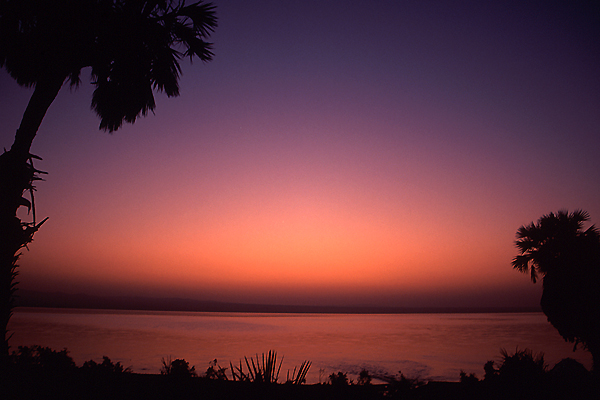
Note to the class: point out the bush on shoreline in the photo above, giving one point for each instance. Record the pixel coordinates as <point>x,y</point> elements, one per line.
<point>42,373</point>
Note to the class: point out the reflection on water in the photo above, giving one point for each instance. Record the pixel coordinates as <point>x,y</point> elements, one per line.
<point>430,346</point>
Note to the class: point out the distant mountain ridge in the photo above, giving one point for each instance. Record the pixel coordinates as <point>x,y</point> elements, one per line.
<point>30,298</point>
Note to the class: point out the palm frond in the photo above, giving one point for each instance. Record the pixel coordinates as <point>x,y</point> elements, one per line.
<point>553,242</point>
<point>524,264</point>
<point>140,54</point>
<point>203,17</point>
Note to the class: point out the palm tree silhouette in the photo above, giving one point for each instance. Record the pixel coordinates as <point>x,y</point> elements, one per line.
<point>133,48</point>
<point>568,257</point>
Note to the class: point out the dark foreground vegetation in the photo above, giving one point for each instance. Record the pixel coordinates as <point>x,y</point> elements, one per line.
<point>42,373</point>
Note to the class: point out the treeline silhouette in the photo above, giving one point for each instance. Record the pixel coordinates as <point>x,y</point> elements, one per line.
<point>42,373</point>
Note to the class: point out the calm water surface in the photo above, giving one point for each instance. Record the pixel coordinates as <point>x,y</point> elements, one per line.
<point>429,346</point>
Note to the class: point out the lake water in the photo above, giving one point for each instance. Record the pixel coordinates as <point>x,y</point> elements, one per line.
<point>429,346</point>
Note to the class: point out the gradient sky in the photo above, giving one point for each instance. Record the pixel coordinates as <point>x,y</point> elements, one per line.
<point>333,152</point>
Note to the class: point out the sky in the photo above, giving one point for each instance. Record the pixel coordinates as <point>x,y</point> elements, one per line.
<point>333,152</point>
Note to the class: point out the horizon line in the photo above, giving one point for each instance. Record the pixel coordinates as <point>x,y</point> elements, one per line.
<point>61,300</point>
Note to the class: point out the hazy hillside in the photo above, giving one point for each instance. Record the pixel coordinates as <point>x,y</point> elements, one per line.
<point>28,298</point>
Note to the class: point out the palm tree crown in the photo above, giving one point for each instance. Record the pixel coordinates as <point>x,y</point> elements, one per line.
<point>132,46</point>
<point>553,242</point>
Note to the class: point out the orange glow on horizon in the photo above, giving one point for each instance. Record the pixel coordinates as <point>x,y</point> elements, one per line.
<point>387,164</point>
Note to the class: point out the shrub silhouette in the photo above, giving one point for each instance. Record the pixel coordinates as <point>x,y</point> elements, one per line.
<point>215,371</point>
<point>490,372</point>
<point>399,386</point>
<point>468,378</point>
<point>525,375</point>
<point>178,368</point>
<point>523,365</point>
<point>570,379</point>
<point>39,359</point>
<point>520,375</point>
<point>364,378</point>
<point>339,379</point>
<point>570,370</point>
<point>107,367</point>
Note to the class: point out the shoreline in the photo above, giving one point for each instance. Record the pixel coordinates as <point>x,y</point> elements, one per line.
<point>42,373</point>
<point>133,386</point>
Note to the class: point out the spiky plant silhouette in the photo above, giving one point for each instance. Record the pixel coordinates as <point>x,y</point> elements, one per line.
<point>262,370</point>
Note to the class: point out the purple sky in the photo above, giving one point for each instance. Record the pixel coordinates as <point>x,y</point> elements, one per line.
<point>339,152</point>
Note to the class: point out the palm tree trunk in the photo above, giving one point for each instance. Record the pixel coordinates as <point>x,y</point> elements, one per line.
<point>16,176</point>
<point>594,350</point>
<point>44,94</point>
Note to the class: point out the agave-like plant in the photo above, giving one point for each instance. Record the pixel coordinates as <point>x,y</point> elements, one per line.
<point>266,371</point>
<point>299,374</point>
